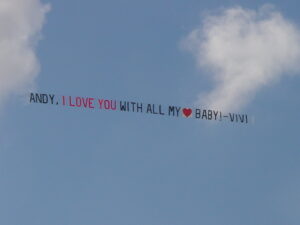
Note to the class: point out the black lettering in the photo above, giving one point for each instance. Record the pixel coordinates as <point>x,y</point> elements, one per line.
<point>198,113</point>
<point>171,110</point>
<point>133,104</point>
<point>52,98</point>
<point>32,99</point>
<point>160,111</point>
<point>139,107</point>
<point>216,114</point>
<point>45,98</point>
<point>154,109</point>
<point>149,109</point>
<point>242,118</point>
<point>39,98</point>
<point>178,110</point>
<point>231,117</point>
<point>204,114</point>
<point>209,114</point>
<point>123,106</point>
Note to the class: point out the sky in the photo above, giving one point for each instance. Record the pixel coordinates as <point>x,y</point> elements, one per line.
<point>73,166</point>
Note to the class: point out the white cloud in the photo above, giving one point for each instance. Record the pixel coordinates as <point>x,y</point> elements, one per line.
<point>244,50</point>
<point>20,24</point>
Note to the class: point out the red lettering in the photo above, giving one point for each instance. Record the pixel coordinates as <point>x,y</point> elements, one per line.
<point>107,104</point>
<point>100,103</point>
<point>85,102</point>
<point>78,101</point>
<point>70,101</point>
<point>91,101</point>
<point>114,105</point>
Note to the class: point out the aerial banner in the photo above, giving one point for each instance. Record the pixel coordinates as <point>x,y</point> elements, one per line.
<point>137,107</point>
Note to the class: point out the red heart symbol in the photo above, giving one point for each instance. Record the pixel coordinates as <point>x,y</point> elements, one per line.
<point>187,112</point>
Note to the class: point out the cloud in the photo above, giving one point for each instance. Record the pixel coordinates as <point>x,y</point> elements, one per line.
<point>244,51</point>
<point>21,22</point>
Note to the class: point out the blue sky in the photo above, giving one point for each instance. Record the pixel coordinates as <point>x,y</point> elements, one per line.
<point>65,166</point>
